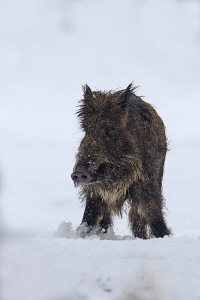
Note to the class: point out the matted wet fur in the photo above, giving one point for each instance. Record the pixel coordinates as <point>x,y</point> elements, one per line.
<point>121,159</point>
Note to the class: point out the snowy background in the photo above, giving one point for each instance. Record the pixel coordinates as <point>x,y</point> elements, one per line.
<point>47,50</point>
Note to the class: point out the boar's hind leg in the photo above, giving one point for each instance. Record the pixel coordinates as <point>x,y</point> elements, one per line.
<point>105,222</point>
<point>146,214</point>
<point>158,226</point>
<point>154,213</point>
<point>137,223</point>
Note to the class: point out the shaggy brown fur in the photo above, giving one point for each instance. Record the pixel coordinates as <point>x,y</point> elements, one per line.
<point>121,158</point>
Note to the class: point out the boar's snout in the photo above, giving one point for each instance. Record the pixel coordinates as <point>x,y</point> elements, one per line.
<point>80,176</point>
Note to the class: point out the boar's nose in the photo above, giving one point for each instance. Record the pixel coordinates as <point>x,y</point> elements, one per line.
<point>81,177</point>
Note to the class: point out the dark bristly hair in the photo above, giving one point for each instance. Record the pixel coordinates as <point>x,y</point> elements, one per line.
<point>121,159</point>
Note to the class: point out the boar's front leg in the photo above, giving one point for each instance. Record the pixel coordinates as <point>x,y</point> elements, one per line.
<point>96,216</point>
<point>90,216</point>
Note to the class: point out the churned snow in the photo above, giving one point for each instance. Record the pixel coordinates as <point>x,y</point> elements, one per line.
<point>48,49</point>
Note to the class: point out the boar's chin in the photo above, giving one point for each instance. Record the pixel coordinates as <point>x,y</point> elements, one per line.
<point>91,183</point>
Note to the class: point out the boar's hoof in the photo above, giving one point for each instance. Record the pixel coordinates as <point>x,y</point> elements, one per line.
<point>84,229</point>
<point>81,177</point>
<point>100,230</point>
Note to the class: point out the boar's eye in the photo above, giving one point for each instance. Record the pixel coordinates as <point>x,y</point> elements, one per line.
<point>110,132</point>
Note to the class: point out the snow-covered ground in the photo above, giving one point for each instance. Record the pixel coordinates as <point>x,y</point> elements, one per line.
<point>48,49</point>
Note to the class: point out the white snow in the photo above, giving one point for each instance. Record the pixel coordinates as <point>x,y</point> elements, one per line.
<point>48,49</point>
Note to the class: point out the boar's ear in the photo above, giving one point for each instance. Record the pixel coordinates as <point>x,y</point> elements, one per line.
<point>126,94</point>
<point>87,91</point>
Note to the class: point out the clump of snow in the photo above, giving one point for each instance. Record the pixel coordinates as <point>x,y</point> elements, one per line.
<point>65,230</point>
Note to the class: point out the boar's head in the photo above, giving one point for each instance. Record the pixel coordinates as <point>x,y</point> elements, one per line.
<point>107,152</point>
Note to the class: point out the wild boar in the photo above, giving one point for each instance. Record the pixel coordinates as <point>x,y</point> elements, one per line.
<point>120,160</point>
